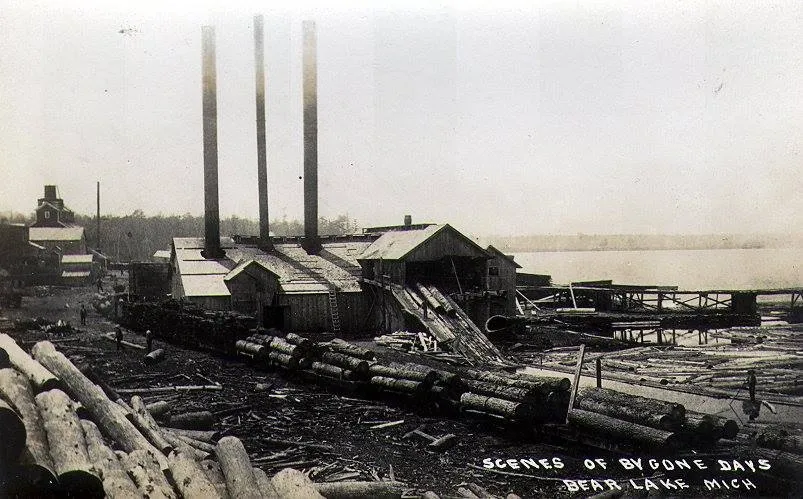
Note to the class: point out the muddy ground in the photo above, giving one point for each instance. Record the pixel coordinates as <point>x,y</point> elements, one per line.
<point>261,407</point>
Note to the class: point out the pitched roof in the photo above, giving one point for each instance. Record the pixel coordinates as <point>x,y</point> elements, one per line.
<point>56,233</point>
<point>296,270</point>
<point>204,285</point>
<point>494,250</point>
<point>198,242</point>
<point>397,245</point>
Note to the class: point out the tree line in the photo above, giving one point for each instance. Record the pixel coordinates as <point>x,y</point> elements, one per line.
<point>135,237</point>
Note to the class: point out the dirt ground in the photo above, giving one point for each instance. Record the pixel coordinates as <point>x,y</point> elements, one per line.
<point>261,407</point>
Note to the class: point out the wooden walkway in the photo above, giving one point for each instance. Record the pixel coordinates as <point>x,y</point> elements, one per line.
<point>657,298</point>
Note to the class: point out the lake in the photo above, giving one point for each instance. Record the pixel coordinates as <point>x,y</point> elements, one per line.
<point>687,269</point>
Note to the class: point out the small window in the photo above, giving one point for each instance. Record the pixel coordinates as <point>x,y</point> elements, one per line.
<point>47,214</point>
<point>493,270</point>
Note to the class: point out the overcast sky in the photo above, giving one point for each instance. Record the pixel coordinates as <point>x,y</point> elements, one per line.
<point>500,118</point>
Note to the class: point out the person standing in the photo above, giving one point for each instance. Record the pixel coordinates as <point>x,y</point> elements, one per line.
<point>751,385</point>
<point>118,336</point>
<point>83,315</point>
<point>149,340</point>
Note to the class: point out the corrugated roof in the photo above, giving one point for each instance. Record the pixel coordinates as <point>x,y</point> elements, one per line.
<point>76,258</point>
<point>56,233</point>
<point>204,285</point>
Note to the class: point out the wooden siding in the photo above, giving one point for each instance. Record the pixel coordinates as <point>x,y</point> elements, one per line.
<point>445,243</point>
<point>309,313</point>
<point>252,289</point>
<point>505,280</point>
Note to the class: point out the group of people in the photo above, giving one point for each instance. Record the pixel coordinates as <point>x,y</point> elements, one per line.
<point>118,337</point>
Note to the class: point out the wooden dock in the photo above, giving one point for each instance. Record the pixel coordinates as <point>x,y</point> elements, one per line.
<point>626,298</point>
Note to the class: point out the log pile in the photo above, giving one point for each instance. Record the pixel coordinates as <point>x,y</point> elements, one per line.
<point>644,422</point>
<point>188,325</point>
<point>68,438</point>
<point>476,392</point>
<point>718,365</point>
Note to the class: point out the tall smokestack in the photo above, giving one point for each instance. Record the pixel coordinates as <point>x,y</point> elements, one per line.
<point>310,75</point>
<point>209,82</point>
<point>262,158</point>
<point>97,219</point>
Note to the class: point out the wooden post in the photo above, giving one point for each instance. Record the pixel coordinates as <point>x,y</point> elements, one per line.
<point>599,372</point>
<point>580,354</point>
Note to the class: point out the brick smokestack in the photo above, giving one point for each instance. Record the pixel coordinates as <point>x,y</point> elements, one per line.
<point>310,76</point>
<point>262,157</point>
<point>212,247</point>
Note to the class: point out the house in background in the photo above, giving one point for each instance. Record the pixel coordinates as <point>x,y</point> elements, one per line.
<point>51,211</point>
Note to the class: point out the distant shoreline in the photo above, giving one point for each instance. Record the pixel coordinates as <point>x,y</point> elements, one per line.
<point>643,242</point>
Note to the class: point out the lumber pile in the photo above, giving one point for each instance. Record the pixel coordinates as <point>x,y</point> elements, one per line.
<point>66,437</point>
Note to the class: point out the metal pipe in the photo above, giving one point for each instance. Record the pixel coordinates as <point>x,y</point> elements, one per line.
<point>262,158</point>
<point>209,86</point>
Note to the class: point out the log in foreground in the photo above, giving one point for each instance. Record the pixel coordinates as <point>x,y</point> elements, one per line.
<point>16,388</point>
<point>143,420</point>
<point>643,436</point>
<point>189,477</point>
<point>293,484</point>
<point>212,471</point>
<point>65,438</point>
<point>265,487</point>
<point>12,435</point>
<point>41,379</point>
<point>116,482</point>
<point>106,414</point>
<point>361,490</point>
<point>145,470</point>
<point>236,468</point>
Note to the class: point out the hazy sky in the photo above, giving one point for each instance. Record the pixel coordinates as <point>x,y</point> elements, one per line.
<point>498,117</point>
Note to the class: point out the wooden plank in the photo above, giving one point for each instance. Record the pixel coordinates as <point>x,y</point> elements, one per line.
<point>576,384</point>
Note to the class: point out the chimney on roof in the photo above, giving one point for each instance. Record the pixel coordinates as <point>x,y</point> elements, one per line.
<point>212,247</point>
<point>262,158</point>
<point>50,192</point>
<point>311,242</point>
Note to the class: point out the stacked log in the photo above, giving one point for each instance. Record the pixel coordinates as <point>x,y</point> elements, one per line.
<point>515,411</point>
<point>157,462</point>
<point>16,389</point>
<point>350,349</point>
<point>617,429</point>
<point>647,412</point>
<point>41,379</point>
<point>67,444</point>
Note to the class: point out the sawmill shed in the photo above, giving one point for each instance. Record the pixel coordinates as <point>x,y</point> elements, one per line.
<point>502,282</point>
<point>437,255</point>
<point>286,288</point>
